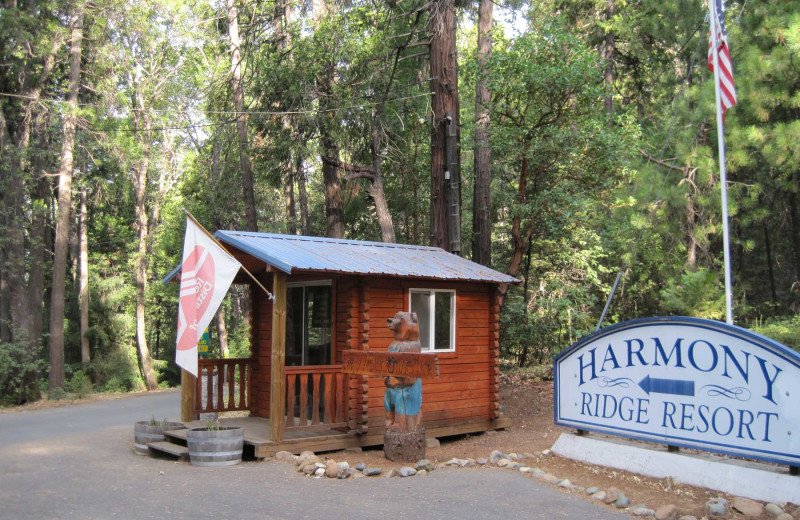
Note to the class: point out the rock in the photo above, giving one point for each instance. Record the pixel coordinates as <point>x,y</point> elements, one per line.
<point>667,512</point>
<point>784,516</point>
<point>550,479</point>
<point>407,471</point>
<point>502,463</point>
<point>599,495</point>
<point>513,456</point>
<point>424,464</point>
<point>390,474</point>
<point>319,472</point>
<point>622,502</point>
<point>641,510</point>
<point>592,490</point>
<point>360,466</point>
<point>310,469</point>
<point>465,463</point>
<point>514,466</point>
<point>545,452</point>
<point>371,472</point>
<point>285,456</point>
<point>774,509</point>
<point>307,461</point>
<point>440,465</point>
<point>688,517</point>
<point>496,455</point>
<point>524,469</point>
<point>452,462</point>
<point>536,472</point>
<point>747,507</point>
<point>432,443</point>
<point>304,456</point>
<point>358,474</point>
<point>331,469</point>
<point>482,462</point>
<point>612,495</point>
<point>349,472</point>
<point>354,449</point>
<point>717,507</point>
<point>343,468</point>
<point>565,484</point>
<point>422,472</point>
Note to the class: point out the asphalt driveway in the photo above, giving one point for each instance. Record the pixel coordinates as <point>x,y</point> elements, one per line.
<point>78,463</point>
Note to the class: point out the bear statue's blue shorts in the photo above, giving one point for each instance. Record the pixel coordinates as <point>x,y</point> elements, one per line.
<point>404,401</point>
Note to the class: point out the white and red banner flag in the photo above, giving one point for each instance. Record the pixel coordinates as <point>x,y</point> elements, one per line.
<point>207,271</point>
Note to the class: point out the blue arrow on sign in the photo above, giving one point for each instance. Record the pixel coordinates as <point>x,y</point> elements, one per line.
<point>667,386</point>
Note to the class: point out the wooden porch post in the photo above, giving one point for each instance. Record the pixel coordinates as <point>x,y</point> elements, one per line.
<point>187,396</point>
<point>277,405</point>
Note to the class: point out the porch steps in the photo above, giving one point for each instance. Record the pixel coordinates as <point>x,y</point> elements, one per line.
<point>169,448</point>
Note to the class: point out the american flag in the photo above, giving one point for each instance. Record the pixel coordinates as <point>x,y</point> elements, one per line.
<point>726,87</point>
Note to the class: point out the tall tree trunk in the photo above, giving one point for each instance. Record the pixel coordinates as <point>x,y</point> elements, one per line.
<point>445,187</point>
<point>376,189</point>
<point>144,135</point>
<point>15,293</point>
<point>41,197</point>
<point>5,297</point>
<point>302,194</point>
<point>334,206</point>
<point>288,196</point>
<point>248,184</point>
<point>56,379</point>
<point>222,332</point>
<point>83,285</point>
<point>481,206</point>
<point>519,235</point>
<point>607,52</point>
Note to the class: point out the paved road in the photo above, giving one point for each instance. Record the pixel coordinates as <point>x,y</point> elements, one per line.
<point>78,463</point>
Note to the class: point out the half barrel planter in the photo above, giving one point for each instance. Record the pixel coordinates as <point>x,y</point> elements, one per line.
<point>222,447</point>
<point>144,432</point>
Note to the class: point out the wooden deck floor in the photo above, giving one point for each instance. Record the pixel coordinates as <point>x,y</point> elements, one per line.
<point>320,439</point>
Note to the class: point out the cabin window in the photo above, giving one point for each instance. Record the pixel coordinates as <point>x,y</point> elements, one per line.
<point>308,323</point>
<point>436,311</point>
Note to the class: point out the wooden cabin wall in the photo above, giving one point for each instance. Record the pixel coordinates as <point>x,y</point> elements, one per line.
<point>261,349</point>
<point>466,389</point>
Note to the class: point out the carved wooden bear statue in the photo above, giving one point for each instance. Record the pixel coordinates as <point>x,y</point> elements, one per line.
<point>403,398</point>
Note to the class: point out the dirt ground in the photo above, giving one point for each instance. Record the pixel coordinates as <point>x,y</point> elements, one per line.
<point>529,405</point>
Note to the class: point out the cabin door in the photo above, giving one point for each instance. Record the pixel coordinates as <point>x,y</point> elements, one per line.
<point>308,324</point>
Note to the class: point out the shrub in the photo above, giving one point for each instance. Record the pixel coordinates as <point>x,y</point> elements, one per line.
<point>80,384</point>
<point>785,330</point>
<point>57,394</point>
<point>20,369</point>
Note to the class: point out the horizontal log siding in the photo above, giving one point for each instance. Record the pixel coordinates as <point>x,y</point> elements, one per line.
<point>464,391</point>
<point>261,348</point>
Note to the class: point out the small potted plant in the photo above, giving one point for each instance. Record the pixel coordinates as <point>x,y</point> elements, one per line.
<point>215,445</point>
<point>145,432</point>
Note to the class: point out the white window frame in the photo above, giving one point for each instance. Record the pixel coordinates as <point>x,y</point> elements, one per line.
<point>432,317</point>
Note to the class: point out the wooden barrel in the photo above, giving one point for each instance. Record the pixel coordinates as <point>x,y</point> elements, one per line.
<point>222,447</point>
<point>144,432</point>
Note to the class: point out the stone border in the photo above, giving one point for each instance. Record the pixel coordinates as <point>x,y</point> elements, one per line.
<point>310,464</point>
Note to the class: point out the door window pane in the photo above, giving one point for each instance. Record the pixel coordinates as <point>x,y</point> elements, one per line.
<point>442,316</point>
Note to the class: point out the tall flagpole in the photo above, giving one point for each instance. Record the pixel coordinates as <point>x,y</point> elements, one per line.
<point>722,175</point>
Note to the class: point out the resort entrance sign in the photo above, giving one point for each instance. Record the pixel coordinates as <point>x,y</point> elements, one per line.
<point>684,382</point>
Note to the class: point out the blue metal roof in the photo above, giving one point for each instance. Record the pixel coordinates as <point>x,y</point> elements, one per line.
<point>291,252</point>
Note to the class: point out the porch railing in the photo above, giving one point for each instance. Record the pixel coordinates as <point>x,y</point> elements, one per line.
<point>315,396</point>
<point>223,385</point>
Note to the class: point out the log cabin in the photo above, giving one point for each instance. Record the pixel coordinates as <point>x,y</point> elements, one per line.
<point>335,295</point>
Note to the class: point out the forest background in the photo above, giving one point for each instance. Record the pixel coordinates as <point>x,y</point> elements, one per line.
<point>579,137</point>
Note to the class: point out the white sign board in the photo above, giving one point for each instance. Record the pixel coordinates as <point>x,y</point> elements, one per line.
<point>684,382</point>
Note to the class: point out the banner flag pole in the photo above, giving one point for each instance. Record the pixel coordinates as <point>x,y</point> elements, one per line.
<point>188,214</point>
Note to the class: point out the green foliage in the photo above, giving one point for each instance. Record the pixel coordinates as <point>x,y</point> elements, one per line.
<point>19,373</point>
<point>79,385</point>
<point>699,294</point>
<point>784,330</point>
<point>57,394</point>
